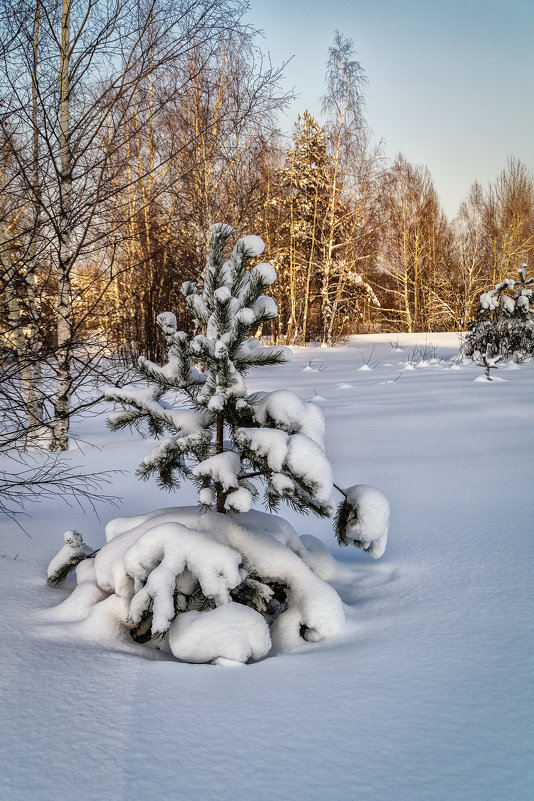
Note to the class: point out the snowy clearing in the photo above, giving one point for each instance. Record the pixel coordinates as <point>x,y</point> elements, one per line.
<point>425,695</point>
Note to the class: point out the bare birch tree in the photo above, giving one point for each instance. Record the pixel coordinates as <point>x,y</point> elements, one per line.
<point>413,248</point>
<point>351,189</point>
<point>64,67</point>
<point>509,219</point>
<point>494,237</point>
<point>204,128</point>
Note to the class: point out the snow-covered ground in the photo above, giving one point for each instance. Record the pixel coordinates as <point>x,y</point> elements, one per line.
<point>427,694</point>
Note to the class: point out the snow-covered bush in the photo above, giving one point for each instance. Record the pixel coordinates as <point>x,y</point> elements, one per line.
<point>504,326</point>
<point>219,581</point>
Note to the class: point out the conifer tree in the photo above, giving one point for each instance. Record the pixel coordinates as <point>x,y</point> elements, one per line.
<point>304,201</point>
<point>206,585</point>
<point>504,326</point>
<point>222,438</point>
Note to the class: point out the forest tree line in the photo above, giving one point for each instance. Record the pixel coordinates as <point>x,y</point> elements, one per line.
<point>128,128</point>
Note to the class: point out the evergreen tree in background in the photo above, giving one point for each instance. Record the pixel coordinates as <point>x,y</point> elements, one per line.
<point>304,201</point>
<point>504,327</point>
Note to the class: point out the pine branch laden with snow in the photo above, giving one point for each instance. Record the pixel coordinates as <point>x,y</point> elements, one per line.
<point>362,519</point>
<point>219,582</point>
<point>504,326</point>
<point>73,552</point>
<point>206,587</point>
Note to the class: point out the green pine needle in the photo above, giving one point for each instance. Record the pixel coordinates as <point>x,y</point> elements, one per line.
<point>57,578</point>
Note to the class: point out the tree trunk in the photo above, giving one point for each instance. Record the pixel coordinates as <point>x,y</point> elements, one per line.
<point>60,426</point>
<point>30,393</point>
<point>328,266</point>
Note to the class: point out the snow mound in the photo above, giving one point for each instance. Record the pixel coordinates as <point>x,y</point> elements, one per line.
<point>318,557</point>
<point>234,632</point>
<point>207,587</point>
<point>79,604</point>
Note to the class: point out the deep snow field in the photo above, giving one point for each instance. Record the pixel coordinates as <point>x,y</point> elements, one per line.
<point>427,695</point>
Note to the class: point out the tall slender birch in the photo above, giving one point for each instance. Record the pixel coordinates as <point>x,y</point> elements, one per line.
<point>343,102</point>
<point>60,426</point>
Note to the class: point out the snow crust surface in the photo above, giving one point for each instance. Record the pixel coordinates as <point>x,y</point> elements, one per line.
<point>426,693</point>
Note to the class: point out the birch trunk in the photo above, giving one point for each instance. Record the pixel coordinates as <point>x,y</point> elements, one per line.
<point>35,390</point>
<point>326,310</point>
<point>30,394</point>
<point>60,425</point>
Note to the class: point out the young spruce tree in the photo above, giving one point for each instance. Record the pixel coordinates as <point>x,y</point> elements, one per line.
<point>210,586</point>
<point>504,326</point>
<point>219,436</point>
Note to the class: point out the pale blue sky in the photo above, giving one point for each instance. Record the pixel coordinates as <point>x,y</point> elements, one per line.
<point>451,84</point>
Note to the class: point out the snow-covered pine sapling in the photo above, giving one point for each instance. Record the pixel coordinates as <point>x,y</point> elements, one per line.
<point>490,363</point>
<point>504,325</point>
<point>208,371</point>
<point>220,437</point>
<point>220,581</point>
